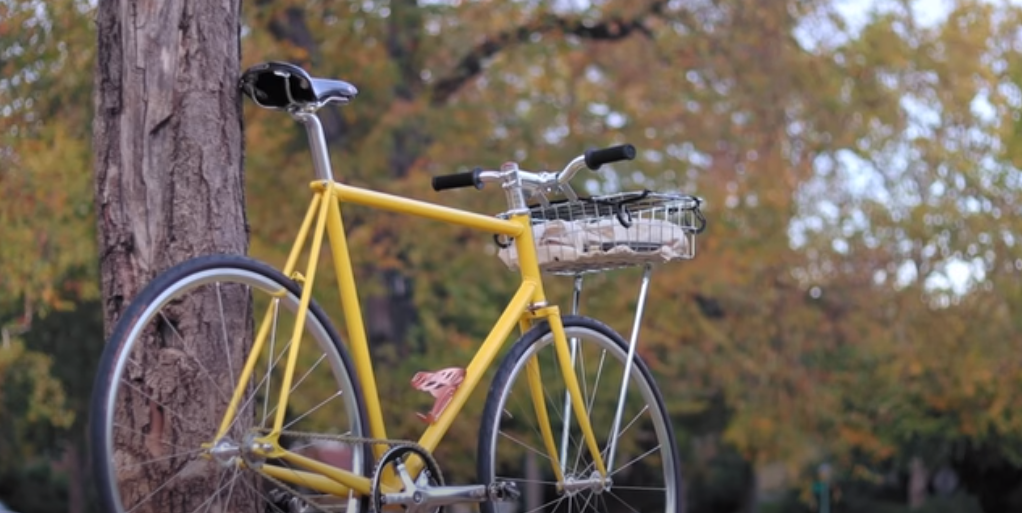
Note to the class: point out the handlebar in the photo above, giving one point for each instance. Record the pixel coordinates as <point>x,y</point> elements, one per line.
<point>458,180</point>
<point>596,158</point>
<point>530,181</point>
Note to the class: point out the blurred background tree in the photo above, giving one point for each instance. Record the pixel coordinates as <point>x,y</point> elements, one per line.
<point>854,302</point>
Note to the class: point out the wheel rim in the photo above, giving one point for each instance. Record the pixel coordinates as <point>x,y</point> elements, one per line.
<point>169,349</point>
<point>644,471</point>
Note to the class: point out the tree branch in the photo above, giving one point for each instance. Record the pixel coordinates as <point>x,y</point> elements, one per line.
<point>291,27</point>
<point>472,63</point>
<point>404,40</point>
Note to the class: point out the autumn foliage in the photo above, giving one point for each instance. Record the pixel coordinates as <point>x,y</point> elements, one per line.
<point>855,299</point>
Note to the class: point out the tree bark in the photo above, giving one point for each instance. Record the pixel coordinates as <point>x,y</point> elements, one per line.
<point>168,187</point>
<point>167,139</point>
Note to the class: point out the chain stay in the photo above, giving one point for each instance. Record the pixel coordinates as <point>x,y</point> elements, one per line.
<point>349,439</point>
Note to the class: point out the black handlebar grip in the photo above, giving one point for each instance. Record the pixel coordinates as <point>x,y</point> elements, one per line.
<point>458,180</point>
<point>596,158</point>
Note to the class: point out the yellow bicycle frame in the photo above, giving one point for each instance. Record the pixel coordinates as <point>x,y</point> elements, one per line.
<point>527,304</point>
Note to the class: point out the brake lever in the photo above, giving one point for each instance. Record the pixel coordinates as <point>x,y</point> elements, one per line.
<point>541,196</point>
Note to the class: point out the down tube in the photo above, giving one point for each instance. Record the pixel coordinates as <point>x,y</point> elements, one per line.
<point>482,361</point>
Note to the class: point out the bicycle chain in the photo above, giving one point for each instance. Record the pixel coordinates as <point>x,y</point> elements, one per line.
<point>349,439</point>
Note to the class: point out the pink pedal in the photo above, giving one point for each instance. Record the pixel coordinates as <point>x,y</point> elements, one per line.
<point>441,385</point>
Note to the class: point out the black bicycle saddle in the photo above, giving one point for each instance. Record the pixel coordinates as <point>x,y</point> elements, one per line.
<point>280,85</point>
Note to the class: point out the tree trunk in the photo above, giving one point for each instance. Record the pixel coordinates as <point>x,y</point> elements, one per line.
<point>167,139</point>
<point>169,185</point>
<point>76,479</point>
<point>750,503</point>
<point>918,478</point>
<point>534,499</point>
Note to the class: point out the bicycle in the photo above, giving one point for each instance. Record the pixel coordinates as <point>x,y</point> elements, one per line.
<point>274,434</point>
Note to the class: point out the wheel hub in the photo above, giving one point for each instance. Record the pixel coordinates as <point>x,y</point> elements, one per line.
<point>595,483</point>
<point>225,452</point>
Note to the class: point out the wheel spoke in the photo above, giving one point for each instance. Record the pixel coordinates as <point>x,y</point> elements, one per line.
<point>318,406</point>
<point>603,452</point>
<point>552,404</point>
<point>293,387</point>
<point>589,498</point>
<point>186,350</point>
<point>589,407</point>
<point>641,488</point>
<point>574,442</point>
<point>144,435</point>
<point>230,493</point>
<point>525,445</point>
<point>158,403</point>
<point>299,382</point>
<point>223,328</point>
<point>159,488</point>
<point>527,416</point>
<point>269,500</point>
<point>211,499</point>
<point>637,458</point>
<point>582,366</point>
<point>269,368</point>
<point>161,458</point>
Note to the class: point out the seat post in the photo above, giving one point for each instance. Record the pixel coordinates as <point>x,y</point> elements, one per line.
<point>317,143</point>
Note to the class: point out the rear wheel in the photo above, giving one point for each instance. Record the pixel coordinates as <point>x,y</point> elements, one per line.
<point>646,472</point>
<point>168,372</point>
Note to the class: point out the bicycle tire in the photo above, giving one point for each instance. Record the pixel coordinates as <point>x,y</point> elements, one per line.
<point>168,290</point>
<point>496,413</point>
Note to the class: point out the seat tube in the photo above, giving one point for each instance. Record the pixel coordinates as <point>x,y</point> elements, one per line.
<point>358,342</point>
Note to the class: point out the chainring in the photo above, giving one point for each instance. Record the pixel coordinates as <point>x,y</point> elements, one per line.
<point>397,456</point>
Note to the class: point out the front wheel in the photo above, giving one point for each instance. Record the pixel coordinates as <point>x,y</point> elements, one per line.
<point>167,375</point>
<point>646,472</point>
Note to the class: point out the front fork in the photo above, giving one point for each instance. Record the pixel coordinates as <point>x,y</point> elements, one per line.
<point>574,397</point>
<point>573,403</point>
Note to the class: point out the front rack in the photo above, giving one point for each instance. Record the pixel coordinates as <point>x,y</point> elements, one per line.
<point>608,232</point>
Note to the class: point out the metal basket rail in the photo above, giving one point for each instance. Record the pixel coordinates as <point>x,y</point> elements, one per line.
<point>602,233</point>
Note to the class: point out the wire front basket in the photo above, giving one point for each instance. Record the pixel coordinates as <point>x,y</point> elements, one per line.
<point>609,232</point>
